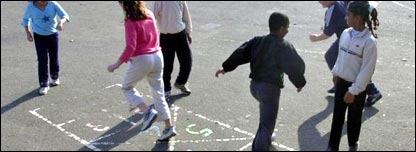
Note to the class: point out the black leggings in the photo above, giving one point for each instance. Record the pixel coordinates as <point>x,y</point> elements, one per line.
<point>355,111</point>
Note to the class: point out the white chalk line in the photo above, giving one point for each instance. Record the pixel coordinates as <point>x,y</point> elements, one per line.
<point>401,5</point>
<point>91,144</point>
<point>59,127</point>
<point>251,135</point>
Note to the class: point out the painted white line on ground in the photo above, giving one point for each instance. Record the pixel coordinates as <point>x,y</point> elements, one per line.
<point>117,84</point>
<point>282,146</point>
<point>210,140</point>
<point>175,118</point>
<point>245,147</point>
<point>401,5</point>
<point>59,127</point>
<point>229,127</point>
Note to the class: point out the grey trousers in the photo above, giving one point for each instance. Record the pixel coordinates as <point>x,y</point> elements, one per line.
<point>148,66</point>
<point>268,97</point>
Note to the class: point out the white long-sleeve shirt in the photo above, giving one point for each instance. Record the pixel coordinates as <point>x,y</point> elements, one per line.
<point>172,16</point>
<point>356,59</point>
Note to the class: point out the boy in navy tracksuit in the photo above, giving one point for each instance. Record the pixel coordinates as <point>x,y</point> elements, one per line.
<point>270,56</point>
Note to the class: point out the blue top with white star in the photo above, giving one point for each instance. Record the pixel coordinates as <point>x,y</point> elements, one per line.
<point>43,22</point>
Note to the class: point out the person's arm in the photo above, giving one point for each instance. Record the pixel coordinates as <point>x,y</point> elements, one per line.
<point>294,66</point>
<point>114,66</point>
<point>131,41</point>
<point>61,22</point>
<point>240,56</point>
<point>28,34</point>
<point>27,16</point>
<point>318,37</point>
<point>131,37</point>
<point>369,59</point>
<point>188,21</point>
<point>63,15</point>
<point>157,7</point>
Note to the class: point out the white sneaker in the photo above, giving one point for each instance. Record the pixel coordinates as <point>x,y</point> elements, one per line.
<point>55,82</point>
<point>43,90</point>
<point>167,134</point>
<point>149,118</point>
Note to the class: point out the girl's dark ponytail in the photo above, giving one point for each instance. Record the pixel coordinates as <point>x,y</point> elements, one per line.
<point>373,22</point>
<point>365,10</point>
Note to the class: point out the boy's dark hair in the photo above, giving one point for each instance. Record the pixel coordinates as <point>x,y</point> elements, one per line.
<point>363,9</point>
<point>278,20</point>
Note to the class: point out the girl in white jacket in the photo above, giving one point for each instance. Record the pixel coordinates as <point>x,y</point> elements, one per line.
<point>354,68</point>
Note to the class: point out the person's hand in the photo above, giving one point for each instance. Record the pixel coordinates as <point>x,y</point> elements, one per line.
<point>29,37</point>
<point>112,67</point>
<point>60,26</point>
<point>349,98</point>
<point>299,89</point>
<point>189,38</point>
<point>220,71</point>
<point>313,37</point>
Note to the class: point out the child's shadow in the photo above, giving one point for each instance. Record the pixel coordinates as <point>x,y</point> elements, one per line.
<point>161,146</point>
<point>172,99</point>
<point>117,135</point>
<point>310,138</point>
<point>34,93</point>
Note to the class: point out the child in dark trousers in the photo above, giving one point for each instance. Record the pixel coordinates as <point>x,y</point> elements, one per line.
<point>40,18</point>
<point>354,68</point>
<point>270,56</point>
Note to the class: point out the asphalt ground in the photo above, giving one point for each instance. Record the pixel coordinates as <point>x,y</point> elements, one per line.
<point>88,111</point>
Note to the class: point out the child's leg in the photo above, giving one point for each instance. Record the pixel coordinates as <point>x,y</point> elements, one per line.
<point>168,50</point>
<point>184,57</point>
<point>332,54</point>
<point>54,55</point>
<point>137,69</point>
<point>339,114</point>
<point>42,54</point>
<point>156,83</point>
<point>268,97</point>
<point>355,111</point>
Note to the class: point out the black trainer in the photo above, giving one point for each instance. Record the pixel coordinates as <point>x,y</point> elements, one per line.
<point>332,90</point>
<point>372,99</point>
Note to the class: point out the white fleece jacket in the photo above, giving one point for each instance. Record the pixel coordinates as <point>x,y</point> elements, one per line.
<point>356,60</point>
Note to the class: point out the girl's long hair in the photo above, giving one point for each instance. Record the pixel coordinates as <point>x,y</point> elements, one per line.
<point>134,10</point>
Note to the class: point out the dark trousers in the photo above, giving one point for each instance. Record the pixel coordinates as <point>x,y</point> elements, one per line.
<point>47,46</point>
<point>332,54</point>
<point>355,111</point>
<point>171,44</point>
<point>268,97</point>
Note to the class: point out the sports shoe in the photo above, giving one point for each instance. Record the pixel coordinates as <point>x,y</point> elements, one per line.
<point>183,88</point>
<point>43,90</point>
<point>167,95</point>
<point>149,118</point>
<point>332,90</point>
<point>354,148</point>
<point>55,82</point>
<point>329,148</point>
<point>167,134</point>
<point>134,108</point>
<point>372,99</point>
